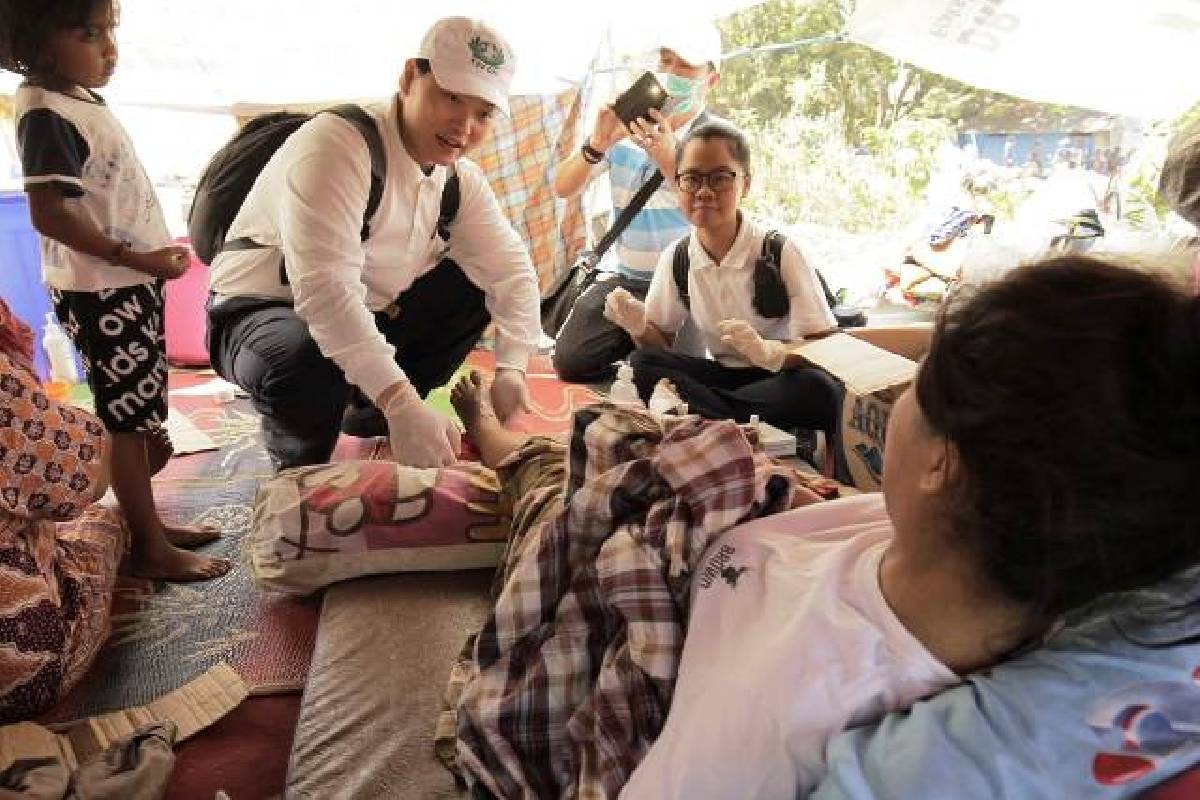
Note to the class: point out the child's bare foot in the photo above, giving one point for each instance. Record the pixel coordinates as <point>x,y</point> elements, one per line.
<point>158,449</point>
<point>471,400</point>
<point>189,536</point>
<point>178,566</point>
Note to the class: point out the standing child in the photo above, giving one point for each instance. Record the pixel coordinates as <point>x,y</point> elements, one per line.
<point>105,251</point>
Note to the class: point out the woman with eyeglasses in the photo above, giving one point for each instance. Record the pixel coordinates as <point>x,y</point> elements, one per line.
<point>751,302</point>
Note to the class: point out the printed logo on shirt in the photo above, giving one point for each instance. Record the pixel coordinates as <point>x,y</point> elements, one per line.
<point>719,566</point>
<point>731,574</point>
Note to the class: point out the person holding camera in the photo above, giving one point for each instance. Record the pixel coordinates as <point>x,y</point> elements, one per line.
<point>689,59</point>
<point>321,306</point>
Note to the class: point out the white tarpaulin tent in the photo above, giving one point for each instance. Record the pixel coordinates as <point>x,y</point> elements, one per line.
<point>206,58</point>
<point>1119,56</point>
<point>213,54</point>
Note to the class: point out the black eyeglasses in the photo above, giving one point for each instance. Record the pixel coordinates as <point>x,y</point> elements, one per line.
<point>719,180</point>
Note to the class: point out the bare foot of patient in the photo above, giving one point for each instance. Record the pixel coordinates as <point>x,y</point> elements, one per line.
<point>472,400</point>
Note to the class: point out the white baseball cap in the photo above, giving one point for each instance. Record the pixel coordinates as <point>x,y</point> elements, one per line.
<point>468,56</point>
<point>695,41</point>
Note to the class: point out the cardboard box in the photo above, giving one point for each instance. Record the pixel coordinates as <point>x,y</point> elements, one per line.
<point>875,365</point>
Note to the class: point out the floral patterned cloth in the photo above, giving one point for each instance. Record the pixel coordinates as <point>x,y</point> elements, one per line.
<point>58,552</point>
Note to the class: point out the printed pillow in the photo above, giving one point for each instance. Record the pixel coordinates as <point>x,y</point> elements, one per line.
<point>317,525</point>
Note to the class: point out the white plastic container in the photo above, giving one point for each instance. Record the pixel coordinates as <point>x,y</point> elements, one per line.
<point>59,351</point>
<point>664,399</point>
<point>623,390</point>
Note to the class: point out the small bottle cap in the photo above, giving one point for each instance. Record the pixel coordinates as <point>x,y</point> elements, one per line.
<point>57,390</point>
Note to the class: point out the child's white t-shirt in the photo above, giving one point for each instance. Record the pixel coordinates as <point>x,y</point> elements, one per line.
<point>789,641</point>
<point>79,146</point>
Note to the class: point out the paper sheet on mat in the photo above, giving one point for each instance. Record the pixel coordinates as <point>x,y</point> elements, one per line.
<point>186,437</point>
<point>210,389</point>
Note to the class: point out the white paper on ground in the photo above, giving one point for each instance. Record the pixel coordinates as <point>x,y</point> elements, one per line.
<point>212,388</point>
<point>186,437</point>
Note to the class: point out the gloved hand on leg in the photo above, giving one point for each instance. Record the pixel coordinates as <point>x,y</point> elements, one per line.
<point>509,393</point>
<point>420,436</point>
<point>769,354</point>
<point>626,311</point>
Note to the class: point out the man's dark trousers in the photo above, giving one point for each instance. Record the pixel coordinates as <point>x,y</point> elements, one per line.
<point>265,348</point>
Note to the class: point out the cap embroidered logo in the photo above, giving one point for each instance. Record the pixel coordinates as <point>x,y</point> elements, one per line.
<point>487,56</point>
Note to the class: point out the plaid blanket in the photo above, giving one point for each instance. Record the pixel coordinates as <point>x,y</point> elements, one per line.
<point>573,672</point>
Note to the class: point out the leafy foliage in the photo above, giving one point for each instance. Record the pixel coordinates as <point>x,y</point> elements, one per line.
<point>821,77</point>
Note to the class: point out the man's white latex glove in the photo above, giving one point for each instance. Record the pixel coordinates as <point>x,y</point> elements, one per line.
<point>509,393</point>
<point>420,436</point>
<point>624,310</point>
<point>741,336</point>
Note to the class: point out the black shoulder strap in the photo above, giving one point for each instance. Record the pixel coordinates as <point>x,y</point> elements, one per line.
<point>772,248</point>
<point>627,215</point>
<point>774,240</point>
<point>681,264</point>
<point>830,297</point>
<point>365,123</point>
<point>450,199</point>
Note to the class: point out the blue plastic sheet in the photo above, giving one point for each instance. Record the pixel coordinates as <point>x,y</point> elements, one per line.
<point>21,269</point>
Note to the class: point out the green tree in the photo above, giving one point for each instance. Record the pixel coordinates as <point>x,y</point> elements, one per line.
<point>819,77</point>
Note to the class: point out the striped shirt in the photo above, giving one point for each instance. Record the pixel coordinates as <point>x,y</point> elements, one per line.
<point>657,225</point>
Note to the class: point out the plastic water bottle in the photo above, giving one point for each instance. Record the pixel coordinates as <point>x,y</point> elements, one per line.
<point>63,374</point>
<point>623,390</point>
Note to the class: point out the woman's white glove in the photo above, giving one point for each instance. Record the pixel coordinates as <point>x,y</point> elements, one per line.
<point>741,336</point>
<point>509,393</point>
<point>623,309</point>
<point>420,436</point>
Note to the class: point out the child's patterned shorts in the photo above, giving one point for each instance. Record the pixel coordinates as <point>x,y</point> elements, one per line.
<point>120,335</point>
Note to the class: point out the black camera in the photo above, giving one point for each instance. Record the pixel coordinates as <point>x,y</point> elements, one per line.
<point>636,101</point>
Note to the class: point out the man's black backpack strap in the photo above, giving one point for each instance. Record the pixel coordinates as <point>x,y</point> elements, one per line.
<point>231,173</point>
<point>449,208</point>
<point>365,124</point>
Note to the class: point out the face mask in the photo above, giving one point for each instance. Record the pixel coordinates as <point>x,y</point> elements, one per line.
<point>683,93</point>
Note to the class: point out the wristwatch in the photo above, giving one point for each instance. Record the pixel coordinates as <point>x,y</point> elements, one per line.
<point>590,154</point>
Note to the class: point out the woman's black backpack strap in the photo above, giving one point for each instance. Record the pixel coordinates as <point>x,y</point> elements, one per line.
<point>771,299</point>
<point>681,264</point>
<point>771,284</point>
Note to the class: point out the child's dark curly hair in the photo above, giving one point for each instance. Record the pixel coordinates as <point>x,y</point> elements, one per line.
<point>26,25</point>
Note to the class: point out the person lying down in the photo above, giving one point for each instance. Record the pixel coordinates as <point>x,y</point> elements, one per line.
<point>1042,461</point>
